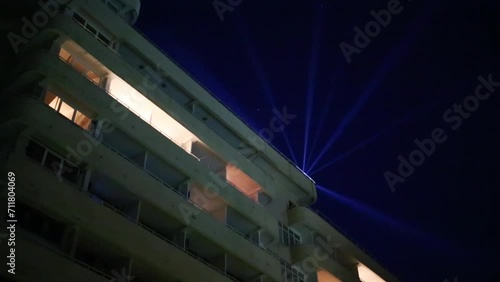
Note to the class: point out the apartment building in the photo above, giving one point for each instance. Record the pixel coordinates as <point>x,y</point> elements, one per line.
<point>128,169</point>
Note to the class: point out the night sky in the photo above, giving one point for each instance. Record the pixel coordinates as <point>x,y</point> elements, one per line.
<point>355,119</point>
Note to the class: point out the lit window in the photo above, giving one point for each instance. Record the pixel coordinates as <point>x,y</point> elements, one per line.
<point>65,55</point>
<point>52,100</point>
<point>366,274</point>
<point>66,110</point>
<point>94,77</point>
<point>82,120</point>
<point>80,67</point>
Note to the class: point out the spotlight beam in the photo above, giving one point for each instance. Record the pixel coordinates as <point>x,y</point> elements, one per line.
<point>395,224</point>
<point>394,125</point>
<point>389,64</point>
<point>261,76</point>
<point>292,154</point>
<point>255,62</point>
<point>321,123</point>
<point>313,68</point>
<point>394,56</point>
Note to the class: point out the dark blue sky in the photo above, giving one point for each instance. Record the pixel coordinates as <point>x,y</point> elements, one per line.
<point>443,221</point>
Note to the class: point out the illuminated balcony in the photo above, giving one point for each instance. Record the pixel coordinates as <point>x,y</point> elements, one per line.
<point>325,276</point>
<point>66,110</point>
<point>243,182</point>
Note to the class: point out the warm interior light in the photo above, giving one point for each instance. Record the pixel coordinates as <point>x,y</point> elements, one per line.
<point>242,181</point>
<point>52,100</point>
<point>325,276</point>
<point>82,120</point>
<point>367,275</point>
<point>65,55</point>
<point>147,110</point>
<point>66,110</point>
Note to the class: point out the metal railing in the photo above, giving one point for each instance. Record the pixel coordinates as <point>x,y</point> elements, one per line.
<point>113,208</point>
<point>184,196</point>
<point>211,94</point>
<point>35,239</point>
<point>345,234</point>
<point>123,104</point>
<point>96,36</point>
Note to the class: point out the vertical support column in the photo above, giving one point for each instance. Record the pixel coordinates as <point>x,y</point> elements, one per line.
<point>86,179</point>
<point>138,216</point>
<point>96,131</point>
<point>70,240</point>
<point>179,238</point>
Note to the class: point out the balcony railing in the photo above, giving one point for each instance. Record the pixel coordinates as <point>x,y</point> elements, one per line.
<point>124,105</point>
<point>345,234</point>
<point>208,91</point>
<point>112,207</point>
<point>35,239</point>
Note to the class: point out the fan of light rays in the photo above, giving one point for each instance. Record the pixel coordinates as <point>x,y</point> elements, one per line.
<point>390,61</point>
<point>311,82</point>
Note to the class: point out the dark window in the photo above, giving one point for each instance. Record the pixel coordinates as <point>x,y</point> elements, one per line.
<point>79,18</point>
<point>53,162</point>
<point>70,172</point>
<point>35,151</point>
<point>91,29</point>
<point>104,39</point>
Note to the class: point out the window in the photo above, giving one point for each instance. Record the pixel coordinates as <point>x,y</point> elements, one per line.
<point>52,100</point>
<point>80,67</point>
<point>35,151</point>
<point>104,39</point>
<point>54,162</point>
<point>65,55</point>
<point>79,19</point>
<point>290,273</point>
<point>67,111</point>
<point>288,236</point>
<point>82,120</point>
<point>92,30</point>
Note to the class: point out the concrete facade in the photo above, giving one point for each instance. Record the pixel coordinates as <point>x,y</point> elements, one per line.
<point>128,169</point>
